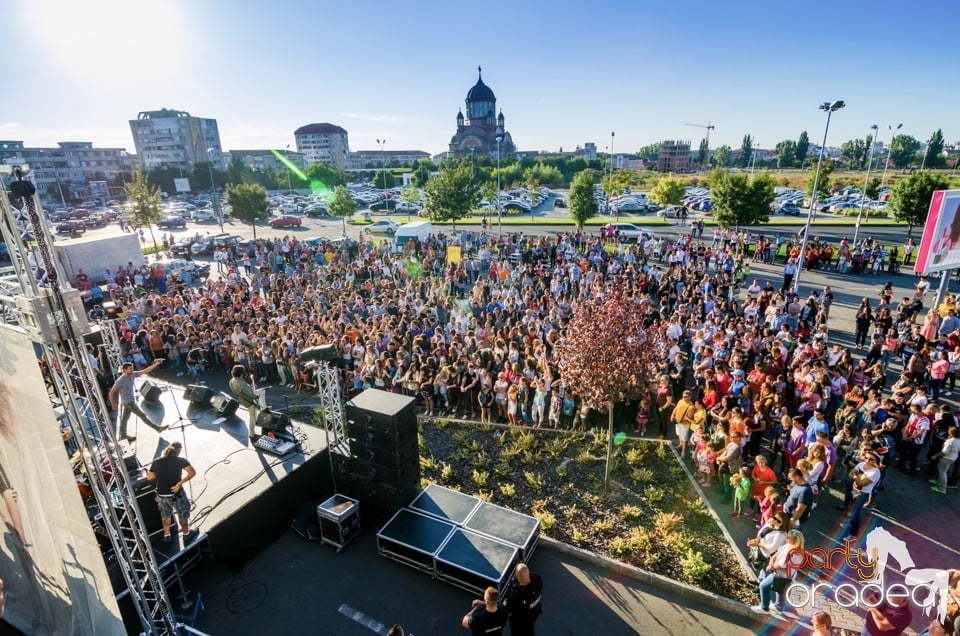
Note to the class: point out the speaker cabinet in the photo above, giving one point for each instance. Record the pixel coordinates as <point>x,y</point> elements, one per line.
<point>383,411</point>
<point>387,457</point>
<point>150,391</point>
<point>198,394</point>
<point>272,421</point>
<point>406,476</point>
<point>226,406</point>
<point>384,440</point>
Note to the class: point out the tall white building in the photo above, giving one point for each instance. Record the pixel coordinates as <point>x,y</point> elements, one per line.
<point>175,139</point>
<point>323,143</point>
<point>69,168</point>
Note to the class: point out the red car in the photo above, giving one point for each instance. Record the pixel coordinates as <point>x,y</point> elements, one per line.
<point>285,221</point>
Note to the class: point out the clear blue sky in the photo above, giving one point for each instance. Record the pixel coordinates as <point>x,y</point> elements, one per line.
<point>564,72</point>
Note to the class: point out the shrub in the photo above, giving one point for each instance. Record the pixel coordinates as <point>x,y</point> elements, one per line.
<point>641,476</point>
<point>528,458</point>
<point>653,494</point>
<point>603,526</point>
<point>665,523</point>
<point>484,495</point>
<point>480,478</point>
<point>508,490</point>
<point>555,447</point>
<point>693,566</point>
<point>481,460</point>
<point>634,457</point>
<point>578,537</point>
<point>524,441</point>
<point>640,540</point>
<point>662,451</point>
<point>446,472</point>
<point>621,547</point>
<point>546,519</point>
<point>428,463</point>
<point>533,480</point>
<point>629,512</point>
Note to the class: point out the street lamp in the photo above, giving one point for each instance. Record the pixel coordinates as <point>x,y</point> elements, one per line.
<point>287,149</point>
<point>498,135</point>
<point>830,107</point>
<point>866,182</point>
<point>753,155</point>
<point>214,199</point>
<point>886,165</point>
<point>611,155</point>
<point>383,166</point>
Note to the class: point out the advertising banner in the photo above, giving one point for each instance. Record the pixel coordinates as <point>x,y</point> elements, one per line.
<point>940,246</point>
<point>182,184</point>
<point>53,574</point>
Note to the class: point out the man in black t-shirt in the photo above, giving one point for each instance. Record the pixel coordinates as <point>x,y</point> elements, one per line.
<point>523,602</point>
<point>168,471</point>
<point>487,617</point>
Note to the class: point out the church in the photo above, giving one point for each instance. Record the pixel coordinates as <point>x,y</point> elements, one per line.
<point>477,132</point>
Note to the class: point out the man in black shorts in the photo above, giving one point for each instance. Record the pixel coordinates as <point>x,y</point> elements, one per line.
<point>487,617</point>
<point>523,601</point>
<point>168,472</point>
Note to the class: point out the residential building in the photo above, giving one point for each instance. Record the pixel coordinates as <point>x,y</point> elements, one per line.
<point>674,156</point>
<point>367,159</point>
<point>69,168</point>
<point>169,138</point>
<point>263,159</point>
<point>323,143</point>
<point>477,132</point>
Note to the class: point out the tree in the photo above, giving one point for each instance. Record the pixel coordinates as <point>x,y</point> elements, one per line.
<point>786,153</point>
<point>702,152</point>
<point>722,156</point>
<point>384,179</point>
<point>341,205</point>
<point>616,184</point>
<point>910,197</point>
<point>823,187</point>
<point>549,176</point>
<point>583,201</point>
<point>145,202</point>
<point>236,169</point>
<point>873,188</point>
<point>903,150</point>
<point>668,191</point>
<point>249,203</point>
<point>421,174</point>
<point>738,200</point>
<point>649,153</point>
<point>452,194</point>
<point>411,196</point>
<point>933,157</point>
<point>803,147</point>
<point>607,355</point>
<point>855,152</point>
<point>746,151</point>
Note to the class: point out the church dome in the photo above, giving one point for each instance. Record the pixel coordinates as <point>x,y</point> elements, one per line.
<point>480,91</point>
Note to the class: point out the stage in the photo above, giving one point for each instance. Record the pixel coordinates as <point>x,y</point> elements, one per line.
<point>243,498</point>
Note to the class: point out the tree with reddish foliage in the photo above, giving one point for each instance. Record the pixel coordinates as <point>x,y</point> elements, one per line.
<point>607,355</point>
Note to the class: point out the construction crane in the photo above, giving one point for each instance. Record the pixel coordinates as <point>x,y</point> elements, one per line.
<point>52,313</point>
<point>708,127</point>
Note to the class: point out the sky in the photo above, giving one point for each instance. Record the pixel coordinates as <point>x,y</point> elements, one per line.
<point>565,72</point>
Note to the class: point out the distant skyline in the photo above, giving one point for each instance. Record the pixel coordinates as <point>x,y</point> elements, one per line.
<point>564,73</point>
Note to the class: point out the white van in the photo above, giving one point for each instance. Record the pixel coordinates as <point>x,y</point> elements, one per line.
<point>416,231</point>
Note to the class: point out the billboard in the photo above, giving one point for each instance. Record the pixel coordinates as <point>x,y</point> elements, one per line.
<point>940,246</point>
<point>53,573</point>
<point>100,189</point>
<point>182,184</point>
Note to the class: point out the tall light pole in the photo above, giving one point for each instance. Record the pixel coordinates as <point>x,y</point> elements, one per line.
<point>753,155</point>
<point>830,107</point>
<point>383,167</point>
<point>611,155</point>
<point>886,165</point>
<point>866,182</point>
<point>287,149</point>
<point>926,151</point>
<point>214,199</point>
<point>499,137</point>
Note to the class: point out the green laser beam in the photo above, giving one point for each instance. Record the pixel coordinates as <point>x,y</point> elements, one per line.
<point>289,164</point>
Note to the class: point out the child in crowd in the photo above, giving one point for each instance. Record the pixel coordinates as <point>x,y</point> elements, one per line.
<point>643,415</point>
<point>556,405</point>
<point>486,402</point>
<point>770,505</point>
<point>740,482</point>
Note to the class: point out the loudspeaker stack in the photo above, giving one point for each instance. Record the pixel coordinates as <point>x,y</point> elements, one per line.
<point>150,391</point>
<point>382,470</point>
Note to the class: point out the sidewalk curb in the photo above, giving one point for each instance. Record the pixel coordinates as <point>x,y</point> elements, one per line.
<point>656,580</point>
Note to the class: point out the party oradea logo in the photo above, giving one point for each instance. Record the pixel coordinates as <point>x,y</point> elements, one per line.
<point>927,588</point>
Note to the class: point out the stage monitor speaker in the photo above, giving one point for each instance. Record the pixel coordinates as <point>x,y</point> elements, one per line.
<point>322,353</point>
<point>272,421</point>
<point>150,391</point>
<point>198,394</point>
<point>226,406</point>
<point>383,411</point>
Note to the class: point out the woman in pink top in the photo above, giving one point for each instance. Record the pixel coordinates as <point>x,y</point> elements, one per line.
<point>938,368</point>
<point>890,344</point>
<point>929,329</point>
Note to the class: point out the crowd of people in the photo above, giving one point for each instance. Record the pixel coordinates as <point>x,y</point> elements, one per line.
<point>764,400</point>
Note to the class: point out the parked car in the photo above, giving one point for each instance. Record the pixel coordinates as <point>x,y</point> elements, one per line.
<point>177,266</point>
<point>788,209</point>
<point>671,211</point>
<point>71,227</point>
<point>407,208</point>
<point>629,231</point>
<point>171,222</point>
<point>384,226</point>
<point>182,247</point>
<point>204,214</point>
<point>316,211</point>
<point>285,221</point>
<point>383,206</point>
<point>202,246</point>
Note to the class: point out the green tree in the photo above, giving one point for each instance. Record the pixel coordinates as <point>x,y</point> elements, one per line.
<point>649,153</point>
<point>616,184</point>
<point>145,202</point>
<point>910,197</point>
<point>934,157</point>
<point>549,176</point>
<point>739,200</point>
<point>341,205</point>
<point>786,153</point>
<point>249,203</point>
<point>322,177</point>
<point>384,179</point>
<point>823,187</point>
<point>668,191</point>
<point>452,194</point>
<point>410,195</point>
<point>421,172</point>
<point>583,201</point>
<point>854,152</point>
<point>236,169</point>
<point>722,156</point>
<point>873,188</point>
<point>803,147</point>
<point>702,152</point>
<point>746,151</point>
<point>903,150</point>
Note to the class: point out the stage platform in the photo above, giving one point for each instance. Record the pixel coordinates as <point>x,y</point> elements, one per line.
<point>243,498</point>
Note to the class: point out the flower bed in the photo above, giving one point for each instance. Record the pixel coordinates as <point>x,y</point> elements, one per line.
<point>651,517</point>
